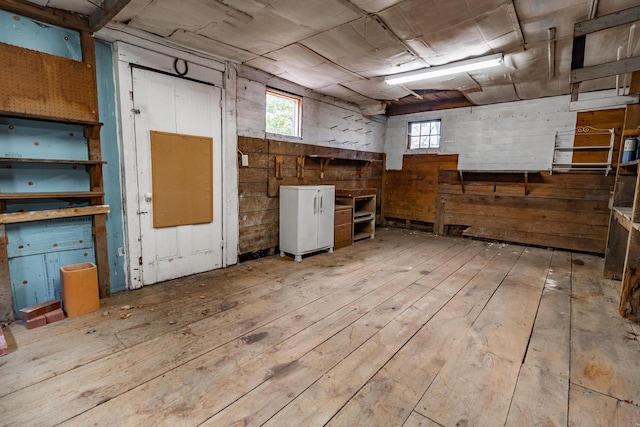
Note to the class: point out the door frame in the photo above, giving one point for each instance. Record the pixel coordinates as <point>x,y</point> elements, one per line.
<point>162,58</point>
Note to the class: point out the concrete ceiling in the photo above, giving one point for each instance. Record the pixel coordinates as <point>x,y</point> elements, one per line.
<point>344,48</point>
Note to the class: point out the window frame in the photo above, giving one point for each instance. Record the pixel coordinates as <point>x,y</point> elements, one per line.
<point>297,100</point>
<point>429,135</point>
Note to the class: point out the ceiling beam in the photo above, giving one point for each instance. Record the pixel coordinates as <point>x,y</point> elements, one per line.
<point>102,15</point>
<point>61,18</point>
<point>626,16</point>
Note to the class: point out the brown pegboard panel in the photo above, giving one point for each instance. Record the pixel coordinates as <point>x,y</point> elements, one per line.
<point>36,84</point>
<point>181,179</point>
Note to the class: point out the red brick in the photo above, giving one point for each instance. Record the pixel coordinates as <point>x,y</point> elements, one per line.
<point>4,349</point>
<point>36,322</point>
<point>38,310</point>
<point>54,316</point>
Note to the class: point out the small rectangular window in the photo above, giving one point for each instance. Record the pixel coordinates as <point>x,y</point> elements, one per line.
<point>283,113</point>
<point>424,134</point>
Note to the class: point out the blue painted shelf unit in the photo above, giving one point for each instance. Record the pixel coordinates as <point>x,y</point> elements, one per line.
<point>37,88</point>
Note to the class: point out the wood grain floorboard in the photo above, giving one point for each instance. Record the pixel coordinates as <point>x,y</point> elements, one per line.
<point>408,329</point>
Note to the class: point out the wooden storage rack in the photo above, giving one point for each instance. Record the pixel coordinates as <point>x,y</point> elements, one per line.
<point>622,257</point>
<point>49,96</point>
<point>363,203</point>
<point>342,226</point>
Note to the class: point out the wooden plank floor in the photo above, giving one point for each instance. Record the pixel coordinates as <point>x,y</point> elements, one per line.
<point>409,329</point>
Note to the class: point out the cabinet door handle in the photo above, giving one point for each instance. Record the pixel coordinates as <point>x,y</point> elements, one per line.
<point>321,200</point>
<point>315,205</point>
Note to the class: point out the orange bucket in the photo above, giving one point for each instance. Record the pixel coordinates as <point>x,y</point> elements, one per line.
<point>79,288</point>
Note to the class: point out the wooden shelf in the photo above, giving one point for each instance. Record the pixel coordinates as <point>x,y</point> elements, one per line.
<point>18,217</point>
<point>364,211</point>
<point>363,214</point>
<point>622,256</point>
<point>585,148</point>
<point>67,195</point>
<point>623,215</point>
<point>325,160</point>
<point>630,164</point>
<point>497,176</point>
<point>54,161</point>
<point>362,236</point>
<point>26,116</point>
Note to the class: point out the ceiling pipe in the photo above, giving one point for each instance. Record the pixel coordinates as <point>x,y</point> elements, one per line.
<point>632,36</point>
<point>594,9</point>
<point>618,57</point>
<point>551,51</point>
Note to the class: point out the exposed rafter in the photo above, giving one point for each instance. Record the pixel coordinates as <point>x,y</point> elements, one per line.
<point>105,13</point>
<point>49,15</point>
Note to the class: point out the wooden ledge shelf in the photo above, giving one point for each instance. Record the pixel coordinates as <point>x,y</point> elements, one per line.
<point>585,148</point>
<point>54,161</point>
<point>18,217</point>
<point>325,160</point>
<point>67,195</point>
<point>623,215</point>
<point>497,176</point>
<point>631,132</point>
<point>630,164</point>
<point>27,116</point>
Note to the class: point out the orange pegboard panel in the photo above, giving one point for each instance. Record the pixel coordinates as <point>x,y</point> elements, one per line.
<point>36,84</point>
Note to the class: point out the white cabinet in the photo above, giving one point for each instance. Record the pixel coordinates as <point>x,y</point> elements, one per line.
<point>306,219</point>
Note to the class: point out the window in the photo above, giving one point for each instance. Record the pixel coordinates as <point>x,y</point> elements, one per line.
<point>283,113</point>
<point>425,134</point>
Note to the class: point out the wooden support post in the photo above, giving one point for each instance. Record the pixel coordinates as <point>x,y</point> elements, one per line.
<point>300,167</point>
<point>102,254</point>
<point>6,298</point>
<point>438,226</point>
<point>92,134</point>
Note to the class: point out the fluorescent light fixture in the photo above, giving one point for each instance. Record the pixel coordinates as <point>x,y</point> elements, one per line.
<point>445,70</point>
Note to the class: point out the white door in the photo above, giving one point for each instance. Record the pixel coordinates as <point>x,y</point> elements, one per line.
<point>326,206</point>
<point>307,215</point>
<point>169,104</point>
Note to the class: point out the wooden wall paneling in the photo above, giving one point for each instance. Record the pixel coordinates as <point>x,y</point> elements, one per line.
<point>567,210</point>
<point>538,239</point>
<point>258,220</point>
<point>601,119</point>
<point>411,193</point>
